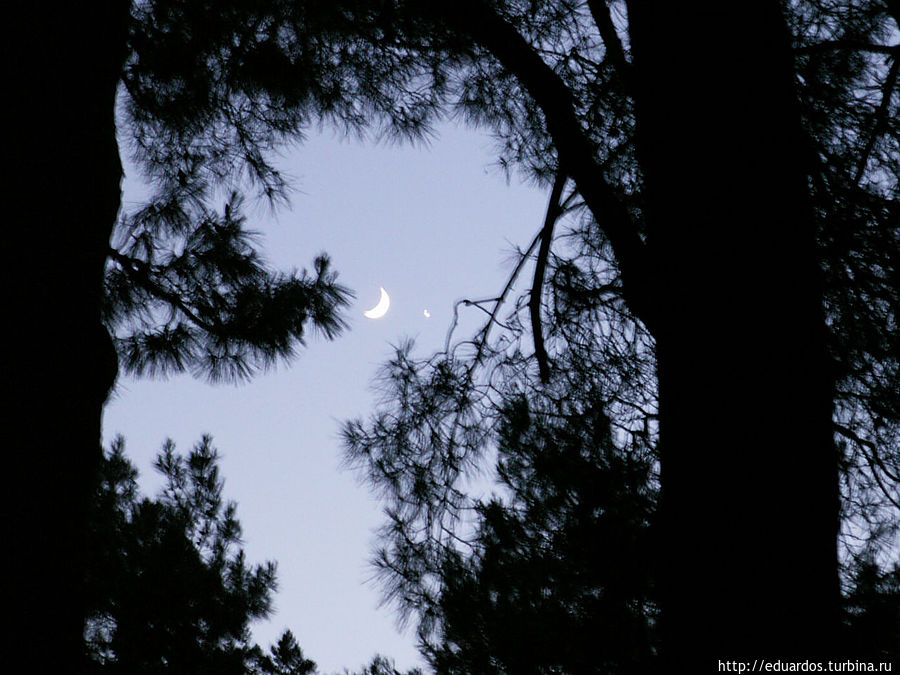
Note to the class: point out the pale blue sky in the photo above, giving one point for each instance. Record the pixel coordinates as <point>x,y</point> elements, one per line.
<point>431,226</point>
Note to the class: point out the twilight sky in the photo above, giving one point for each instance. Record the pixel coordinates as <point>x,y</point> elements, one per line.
<point>429,224</point>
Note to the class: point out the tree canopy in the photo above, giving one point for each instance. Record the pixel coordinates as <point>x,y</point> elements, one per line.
<point>565,88</point>
<point>580,96</point>
<point>727,280</point>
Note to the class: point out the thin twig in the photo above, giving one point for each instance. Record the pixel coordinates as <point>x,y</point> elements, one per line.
<point>499,300</point>
<point>881,119</point>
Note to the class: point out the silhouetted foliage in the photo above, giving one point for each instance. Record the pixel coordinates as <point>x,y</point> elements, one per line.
<point>846,73</point>
<point>202,110</point>
<point>677,132</point>
<point>178,283</point>
<point>552,572</point>
<point>169,586</point>
<point>285,658</point>
<point>381,665</point>
<point>873,612</point>
<point>557,85</point>
<point>558,578</point>
<point>200,95</point>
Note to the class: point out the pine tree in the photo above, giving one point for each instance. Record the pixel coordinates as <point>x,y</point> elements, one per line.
<point>727,281</point>
<point>734,166</point>
<point>168,584</point>
<point>285,658</point>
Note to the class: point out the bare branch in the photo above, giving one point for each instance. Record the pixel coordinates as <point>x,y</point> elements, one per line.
<point>554,210</point>
<point>857,45</point>
<point>492,318</point>
<point>881,119</point>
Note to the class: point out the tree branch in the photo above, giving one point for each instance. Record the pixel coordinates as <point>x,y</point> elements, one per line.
<point>482,343</point>
<point>881,118</point>
<point>600,12</point>
<point>136,270</point>
<point>554,209</point>
<point>873,459</point>
<point>857,45</point>
<point>575,150</point>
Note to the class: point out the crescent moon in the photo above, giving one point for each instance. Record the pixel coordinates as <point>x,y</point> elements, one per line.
<point>381,308</point>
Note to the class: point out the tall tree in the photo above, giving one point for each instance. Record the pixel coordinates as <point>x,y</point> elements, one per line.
<point>736,168</point>
<point>720,103</point>
<point>577,92</point>
<point>184,288</point>
<point>63,65</point>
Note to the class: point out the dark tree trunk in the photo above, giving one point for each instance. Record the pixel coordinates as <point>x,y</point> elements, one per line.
<point>64,61</point>
<point>749,498</point>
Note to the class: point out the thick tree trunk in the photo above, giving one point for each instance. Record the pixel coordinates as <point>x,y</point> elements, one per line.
<point>749,471</point>
<point>64,62</point>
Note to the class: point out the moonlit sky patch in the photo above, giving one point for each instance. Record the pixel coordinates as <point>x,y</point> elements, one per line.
<point>373,209</point>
